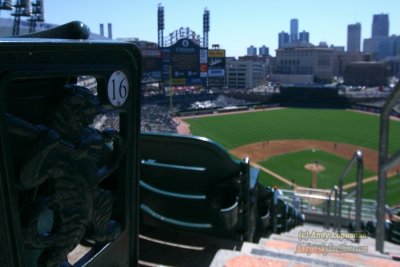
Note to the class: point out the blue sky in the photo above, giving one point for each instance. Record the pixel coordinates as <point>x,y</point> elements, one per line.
<point>234,24</point>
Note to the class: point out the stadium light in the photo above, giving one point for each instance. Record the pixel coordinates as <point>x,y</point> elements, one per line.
<point>160,15</point>
<point>6,4</point>
<point>37,15</point>
<point>23,8</point>
<point>206,26</point>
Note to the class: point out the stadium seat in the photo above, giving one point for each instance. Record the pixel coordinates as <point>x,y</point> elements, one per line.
<point>394,232</point>
<point>192,184</point>
<point>35,72</point>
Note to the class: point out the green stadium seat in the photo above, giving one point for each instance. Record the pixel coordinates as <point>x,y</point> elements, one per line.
<point>191,183</point>
<point>394,232</point>
<point>33,70</point>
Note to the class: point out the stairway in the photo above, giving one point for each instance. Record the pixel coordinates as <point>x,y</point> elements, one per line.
<point>307,246</point>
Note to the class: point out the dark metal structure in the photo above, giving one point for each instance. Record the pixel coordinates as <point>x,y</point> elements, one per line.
<point>356,159</point>
<point>385,164</point>
<point>22,8</point>
<point>32,73</point>
<point>37,15</point>
<point>206,27</point>
<point>160,24</point>
<point>6,5</point>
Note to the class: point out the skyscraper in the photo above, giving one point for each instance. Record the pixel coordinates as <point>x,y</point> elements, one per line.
<point>294,30</point>
<point>304,37</point>
<point>354,38</point>
<point>263,51</point>
<point>380,25</point>
<point>283,39</point>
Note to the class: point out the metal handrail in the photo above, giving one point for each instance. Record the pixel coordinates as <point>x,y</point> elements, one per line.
<point>330,220</point>
<point>368,206</point>
<point>384,165</point>
<point>356,159</point>
<point>274,210</point>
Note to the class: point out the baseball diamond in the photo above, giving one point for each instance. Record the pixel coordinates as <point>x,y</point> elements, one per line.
<point>287,134</point>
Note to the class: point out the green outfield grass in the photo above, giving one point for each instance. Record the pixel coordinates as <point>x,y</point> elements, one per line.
<point>291,166</point>
<point>333,125</point>
<point>314,124</point>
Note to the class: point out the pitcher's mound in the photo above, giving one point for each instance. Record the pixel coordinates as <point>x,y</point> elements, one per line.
<point>314,167</point>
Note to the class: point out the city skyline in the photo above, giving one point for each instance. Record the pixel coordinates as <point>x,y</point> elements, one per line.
<point>234,26</point>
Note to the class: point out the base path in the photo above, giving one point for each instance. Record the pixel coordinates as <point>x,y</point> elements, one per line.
<point>277,176</point>
<point>261,151</point>
<point>183,127</point>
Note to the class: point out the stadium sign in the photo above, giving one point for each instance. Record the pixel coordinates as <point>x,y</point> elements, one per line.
<point>184,33</point>
<point>181,63</point>
<point>203,56</point>
<point>152,62</point>
<point>216,73</point>
<point>216,53</point>
<point>216,68</point>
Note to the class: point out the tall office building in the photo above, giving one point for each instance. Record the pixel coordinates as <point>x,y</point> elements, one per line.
<point>294,30</point>
<point>252,51</point>
<point>283,39</point>
<point>380,25</point>
<point>354,38</point>
<point>382,47</point>
<point>263,51</point>
<point>304,37</point>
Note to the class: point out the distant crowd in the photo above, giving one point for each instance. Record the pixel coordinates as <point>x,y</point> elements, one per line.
<point>156,115</point>
<point>157,118</point>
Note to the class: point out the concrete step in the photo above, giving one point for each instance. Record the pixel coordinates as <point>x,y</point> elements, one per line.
<point>318,234</point>
<point>284,253</point>
<point>227,258</point>
<point>390,250</point>
<point>309,245</point>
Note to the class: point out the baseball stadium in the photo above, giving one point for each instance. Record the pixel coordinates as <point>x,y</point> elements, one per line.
<point>319,156</point>
<point>133,153</point>
<point>322,160</point>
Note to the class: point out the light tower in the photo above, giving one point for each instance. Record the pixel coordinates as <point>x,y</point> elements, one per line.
<point>23,8</point>
<point>37,15</point>
<point>6,5</point>
<point>160,14</point>
<point>206,27</point>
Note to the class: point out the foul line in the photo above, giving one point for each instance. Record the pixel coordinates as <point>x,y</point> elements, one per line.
<point>286,181</point>
<point>277,176</point>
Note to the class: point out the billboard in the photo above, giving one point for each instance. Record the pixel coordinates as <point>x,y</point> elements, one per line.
<point>181,63</point>
<point>216,68</point>
<point>151,63</point>
<point>216,60</point>
<point>166,64</point>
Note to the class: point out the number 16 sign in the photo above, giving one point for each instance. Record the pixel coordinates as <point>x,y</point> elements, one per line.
<point>118,88</point>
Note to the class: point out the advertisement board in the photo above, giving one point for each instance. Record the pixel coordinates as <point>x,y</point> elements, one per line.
<point>152,62</point>
<point>216,68</point>
<point>181,62</point>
